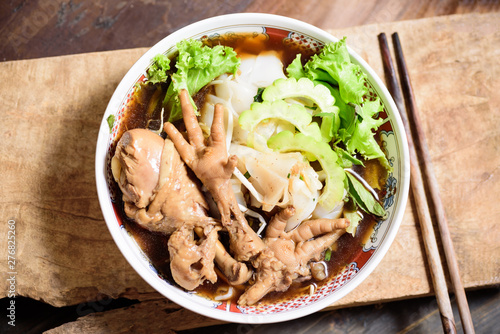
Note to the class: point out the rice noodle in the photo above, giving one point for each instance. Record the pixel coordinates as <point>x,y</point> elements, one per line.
<point>248,185</point>
<point>254,214</point>
<point>227,295</point>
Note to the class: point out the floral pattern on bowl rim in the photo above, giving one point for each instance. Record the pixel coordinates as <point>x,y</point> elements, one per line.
<point>395,191</point>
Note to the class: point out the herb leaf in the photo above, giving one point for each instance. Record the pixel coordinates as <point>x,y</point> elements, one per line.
<point>258,96</point>
<point>346,159</point>
<point>363,198</point>
<point>111,121</point>
<point>197,65</point>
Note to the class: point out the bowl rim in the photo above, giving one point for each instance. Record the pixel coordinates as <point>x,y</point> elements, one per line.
<point>134,259</point>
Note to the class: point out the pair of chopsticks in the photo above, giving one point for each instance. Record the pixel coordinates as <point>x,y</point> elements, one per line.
<point>409,110</point>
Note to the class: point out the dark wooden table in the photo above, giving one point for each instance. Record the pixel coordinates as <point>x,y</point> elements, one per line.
<point>59,27</point>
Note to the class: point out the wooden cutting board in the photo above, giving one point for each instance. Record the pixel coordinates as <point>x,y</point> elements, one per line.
<point>51,111</point>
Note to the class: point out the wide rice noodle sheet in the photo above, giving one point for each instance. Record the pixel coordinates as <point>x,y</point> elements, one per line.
<point>239,91</point>
<point>277,180</point>
<point>282,178</point>
<point>254,72</point>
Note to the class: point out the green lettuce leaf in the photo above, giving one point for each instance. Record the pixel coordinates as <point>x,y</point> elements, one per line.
<point>197,65</point>
<point>346,82</point>
<point>295,69</point>
<point>334,66</point>
<point>157,72</point>
<point>362,139</point>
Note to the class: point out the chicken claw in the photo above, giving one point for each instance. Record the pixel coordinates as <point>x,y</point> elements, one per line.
<point>303,244</point>
<point>191,264</point>
<point>281,257</point>
<point>210,163</point>
<point>294,251</point>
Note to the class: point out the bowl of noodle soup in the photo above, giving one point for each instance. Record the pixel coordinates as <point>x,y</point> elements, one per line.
<point>353,257</point>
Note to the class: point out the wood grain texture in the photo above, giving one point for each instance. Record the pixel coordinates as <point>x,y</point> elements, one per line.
<point>50,118</point>
<point>417,181</point>
<point>419,316</point>
<point>32,29</point>
<point>160,317</point>
<point>458,121</point>
<point>66,255</point>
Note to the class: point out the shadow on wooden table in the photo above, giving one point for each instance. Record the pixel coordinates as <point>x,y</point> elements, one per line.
<point>410,316</point>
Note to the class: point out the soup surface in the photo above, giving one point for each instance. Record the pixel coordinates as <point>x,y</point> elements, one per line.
<point>144,111</point>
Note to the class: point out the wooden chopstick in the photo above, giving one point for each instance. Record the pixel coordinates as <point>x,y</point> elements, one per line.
<point>420,198</point>
<point>423,152</point>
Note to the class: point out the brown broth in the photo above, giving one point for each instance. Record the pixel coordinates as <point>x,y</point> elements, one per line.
<point>143,111</point>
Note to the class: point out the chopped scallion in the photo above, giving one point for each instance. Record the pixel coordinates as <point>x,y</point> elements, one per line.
<point>111,121</point>
<point>328,254</point>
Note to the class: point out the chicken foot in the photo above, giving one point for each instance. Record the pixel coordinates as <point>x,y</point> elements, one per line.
<point>236,272</point>
<point>212,166</point>
<point>305,243</point>
<point>210,162</point>
<point>295,249</point>
<point>157,191</point>
<point>191,261</point>
<point>160,196</point>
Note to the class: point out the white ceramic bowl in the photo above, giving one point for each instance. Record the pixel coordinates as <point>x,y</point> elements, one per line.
<point>362,264</point>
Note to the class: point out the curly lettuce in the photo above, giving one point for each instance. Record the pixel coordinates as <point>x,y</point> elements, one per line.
<point>346,81</point>
<point>157,72</point>
<point>362,139</point>
<point>196,66</point>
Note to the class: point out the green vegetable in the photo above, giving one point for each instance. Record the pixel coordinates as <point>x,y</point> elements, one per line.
<point>197,65</point>
<point>295,69</point>
<point>346,82</point>
<point>328,254</point>
<point>329,127</point>
<point>334,66</point>
<point>347,114</point>
<point>346,160</point>
<point>306,89</point>
<point>111,122</point>
<point>333,192</point>
<point>295,114</point>
<point>157,72</point>
<point>258,96</point>
<point>354,219</point>
<point>302,88</point>
<point>363,198</point>
<point>362,139</point>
